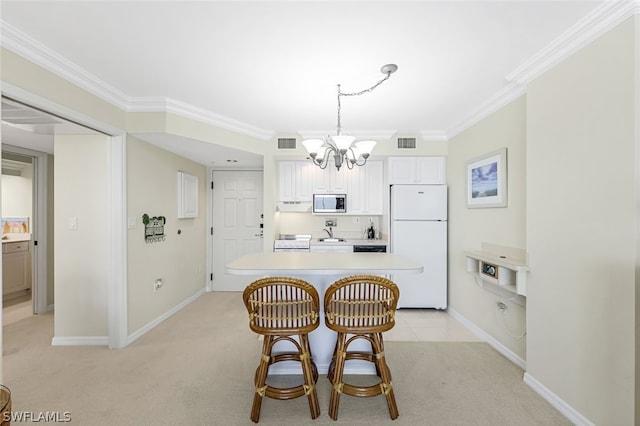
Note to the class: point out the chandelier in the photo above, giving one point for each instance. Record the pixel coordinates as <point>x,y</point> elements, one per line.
<point>342,147</point>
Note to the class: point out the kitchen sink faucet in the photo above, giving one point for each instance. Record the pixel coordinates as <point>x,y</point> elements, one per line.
<point>329,231</point>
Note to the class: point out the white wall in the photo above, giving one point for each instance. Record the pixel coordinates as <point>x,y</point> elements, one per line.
<point>505,226</point>
<point>581,226</point>
<point>179,260</point>
<point>17,194</point>
<point>82,259</point>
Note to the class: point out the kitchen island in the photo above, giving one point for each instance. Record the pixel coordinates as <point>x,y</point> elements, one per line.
<point>321,270</point>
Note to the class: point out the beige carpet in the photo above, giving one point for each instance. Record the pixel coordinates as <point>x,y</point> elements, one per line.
<point>197,369</point>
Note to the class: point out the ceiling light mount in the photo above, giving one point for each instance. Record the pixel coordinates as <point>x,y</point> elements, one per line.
<point>341,147</point>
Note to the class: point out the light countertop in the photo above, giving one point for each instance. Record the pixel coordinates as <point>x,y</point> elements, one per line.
<point>296,263</point>
<point>15,237</point>
<point>349,242</point>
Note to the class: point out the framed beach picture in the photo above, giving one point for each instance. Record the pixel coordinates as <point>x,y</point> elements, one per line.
<point>487,180</point>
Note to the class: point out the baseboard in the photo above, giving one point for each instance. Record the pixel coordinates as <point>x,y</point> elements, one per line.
<point>150,326</point>
<point>80,341</point>
<point>568,411</point>
<point>492,341</point>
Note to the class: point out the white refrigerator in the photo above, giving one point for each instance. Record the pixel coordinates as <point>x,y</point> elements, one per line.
<point>419,231</point>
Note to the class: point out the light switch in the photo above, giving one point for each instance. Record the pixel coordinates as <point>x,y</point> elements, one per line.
<point>73,223</point>
<point>131,222</point>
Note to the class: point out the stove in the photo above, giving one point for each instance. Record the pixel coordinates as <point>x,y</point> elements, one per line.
<point>292,243</point>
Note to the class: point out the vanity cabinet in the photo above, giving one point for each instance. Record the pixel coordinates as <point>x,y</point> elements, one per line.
<point>417,170</point>
<point>16,267</point>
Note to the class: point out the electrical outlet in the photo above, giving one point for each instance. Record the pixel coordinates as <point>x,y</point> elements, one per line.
<point>331,222</point>
<point>502,306</point>
<point>356,219</point>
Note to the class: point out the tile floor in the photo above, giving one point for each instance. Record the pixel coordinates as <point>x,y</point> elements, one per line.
<point>428,325</point>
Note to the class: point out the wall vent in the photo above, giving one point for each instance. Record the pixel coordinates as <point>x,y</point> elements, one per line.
<point>406,143</point>
<point>286,143</point>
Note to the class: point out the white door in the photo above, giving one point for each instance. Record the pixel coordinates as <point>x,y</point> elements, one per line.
<point>237,215</point>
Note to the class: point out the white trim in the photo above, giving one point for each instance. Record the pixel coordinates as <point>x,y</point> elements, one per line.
<point>359,134</point>
<point>117,317</point>
<point>25,46</point>
<point>117,306</point>
<point>40,257</point>
<point>602,19</point>
<point>172,106</point>
<point>559,404</point>
<point>434,136</point>
<point>505,96</point>
<point>150,326</point>
<point>34,51</point>
<point>79,341</point>
<point>492,341</point>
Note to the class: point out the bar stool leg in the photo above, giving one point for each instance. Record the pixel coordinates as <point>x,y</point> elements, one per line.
<point>310,383</point>
<point>261,378</point>
<point>336,388</point>
<point>385,375</point>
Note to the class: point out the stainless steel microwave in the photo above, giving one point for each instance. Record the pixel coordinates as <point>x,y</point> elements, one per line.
<point>329,203</point>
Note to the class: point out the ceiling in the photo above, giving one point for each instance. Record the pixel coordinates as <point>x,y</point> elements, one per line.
<point>268,68</point>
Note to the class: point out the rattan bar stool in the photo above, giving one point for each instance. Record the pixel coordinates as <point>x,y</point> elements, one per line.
<point>280,309</point>
<point>360,307</point>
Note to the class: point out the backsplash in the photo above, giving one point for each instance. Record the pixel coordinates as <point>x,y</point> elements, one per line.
<point>306,223</point>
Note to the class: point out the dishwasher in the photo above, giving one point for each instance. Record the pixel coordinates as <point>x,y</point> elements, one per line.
<point>369,248</point>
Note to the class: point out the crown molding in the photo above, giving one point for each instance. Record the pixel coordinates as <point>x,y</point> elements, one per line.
<point>172,106</point>
<point>34,51</point>
<point>358,134</point>
<point>505,96</point>
<point>434,136</point>
<point>20,43</point>
<point>602,19</point>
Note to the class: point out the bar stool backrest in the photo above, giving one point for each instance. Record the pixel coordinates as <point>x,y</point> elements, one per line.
<point>281,306</point>
<point>361,304</point>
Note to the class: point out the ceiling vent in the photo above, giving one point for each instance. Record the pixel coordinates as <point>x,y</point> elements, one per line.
<point>406,143</point>
<point>286,143</point>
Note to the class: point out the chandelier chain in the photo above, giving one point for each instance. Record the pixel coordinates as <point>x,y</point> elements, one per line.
<point>339,128</point>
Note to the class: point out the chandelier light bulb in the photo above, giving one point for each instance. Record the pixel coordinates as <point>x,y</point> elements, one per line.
<point>313,145</point>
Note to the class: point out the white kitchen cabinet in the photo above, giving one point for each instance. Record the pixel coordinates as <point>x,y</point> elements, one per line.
<point>16,267</point>
<point>299,180</point>
<point>330,180</point>
<point>417,170</point>
<point>295,180</point>
<point>365,189</point>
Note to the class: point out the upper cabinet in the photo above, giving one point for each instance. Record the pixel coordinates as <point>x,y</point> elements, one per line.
<point>299,180</point>
<point>295,180</point>
<point>366,189</point>
<point>330,180</point>
<point>417,170</point>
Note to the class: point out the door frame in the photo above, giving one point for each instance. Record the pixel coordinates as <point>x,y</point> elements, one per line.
<point>117,303</point>
<point>210,215</point>
<point>39,226</point>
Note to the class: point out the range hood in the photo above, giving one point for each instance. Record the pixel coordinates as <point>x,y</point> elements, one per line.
<point>294,206</point>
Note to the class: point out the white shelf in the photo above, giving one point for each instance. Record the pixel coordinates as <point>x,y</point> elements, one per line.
<point>503,267</point>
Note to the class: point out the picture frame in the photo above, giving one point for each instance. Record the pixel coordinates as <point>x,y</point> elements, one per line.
<point>487,180</point>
